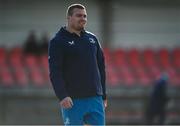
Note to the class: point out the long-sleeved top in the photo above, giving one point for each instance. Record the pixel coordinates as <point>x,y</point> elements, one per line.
<point>76,65</point>
<point>159,98</point>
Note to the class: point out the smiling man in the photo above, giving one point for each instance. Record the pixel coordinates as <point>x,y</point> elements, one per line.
<point>77,71</point>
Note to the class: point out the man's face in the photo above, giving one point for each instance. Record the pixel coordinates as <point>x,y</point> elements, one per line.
<point>78,19</point>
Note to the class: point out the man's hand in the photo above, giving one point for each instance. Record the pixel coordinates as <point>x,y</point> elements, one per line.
<point>105,103</point>
<point>66,103</point>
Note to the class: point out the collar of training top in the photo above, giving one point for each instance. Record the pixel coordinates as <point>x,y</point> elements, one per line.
<point>63,29</point>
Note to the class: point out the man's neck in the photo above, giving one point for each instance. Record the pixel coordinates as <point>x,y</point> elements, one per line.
<point>71,30</point>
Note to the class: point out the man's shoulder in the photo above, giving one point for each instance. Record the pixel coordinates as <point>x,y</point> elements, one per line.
<point>58,38</point>
<point>90,34</point>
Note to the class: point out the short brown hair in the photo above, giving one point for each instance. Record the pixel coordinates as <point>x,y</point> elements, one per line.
<point>72,7</point>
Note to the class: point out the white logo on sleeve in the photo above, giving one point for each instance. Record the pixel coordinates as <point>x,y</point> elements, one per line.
<point>71,42</point>
<point>67,121</point>
<point>91,40</point>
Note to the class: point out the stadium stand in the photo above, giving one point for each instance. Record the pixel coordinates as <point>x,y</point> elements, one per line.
<point>124,66</point>
<point>130,76</point>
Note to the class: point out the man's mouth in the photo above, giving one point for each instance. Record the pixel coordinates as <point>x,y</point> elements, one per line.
<point>82,22</point>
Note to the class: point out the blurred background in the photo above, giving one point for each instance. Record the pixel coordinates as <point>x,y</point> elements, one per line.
<point>140,39</point>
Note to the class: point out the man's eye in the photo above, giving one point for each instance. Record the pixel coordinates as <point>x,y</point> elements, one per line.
<point>81,15</point>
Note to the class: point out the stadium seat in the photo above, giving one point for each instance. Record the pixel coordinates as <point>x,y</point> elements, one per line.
<point>164,58</point>
<point>128,76</point>
<point>15,61</point>
<point>16,51</point>
<point>44,61</point>
<point>112,76</point>
<point>175,81</point>
<point>34,67</point>
<point>36,77</point>
<point>21,76</point>
<point>15,57</point>
<point>149,58</point>
<point>176,57</point>
<point>107,55</point>
<point>106,51</point>
<point>45,68</point>
<point>142,77</point>
<point>119,57</point>
<point>134,56</point>
<point>3,57</point>
<point>31,61</point>
<point>6,76</point>
<point>154,72</point>
<point>129,80</point>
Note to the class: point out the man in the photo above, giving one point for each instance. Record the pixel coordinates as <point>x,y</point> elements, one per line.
<point>77,71</point>
<point>158,101</point>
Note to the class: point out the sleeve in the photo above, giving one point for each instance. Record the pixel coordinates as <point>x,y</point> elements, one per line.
<point>55,59</point>
<point>101,65</point>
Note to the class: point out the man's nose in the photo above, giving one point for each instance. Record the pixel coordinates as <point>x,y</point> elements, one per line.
<point>83,17</point>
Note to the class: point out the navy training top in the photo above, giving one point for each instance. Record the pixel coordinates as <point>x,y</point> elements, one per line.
<point>76,65</point>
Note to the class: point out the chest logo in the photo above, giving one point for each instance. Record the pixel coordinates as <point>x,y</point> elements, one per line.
<point>91,40</point>
<point>71,42</point>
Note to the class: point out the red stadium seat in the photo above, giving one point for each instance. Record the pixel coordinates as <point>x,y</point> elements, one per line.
<point>44,61</point>
<point>106,51</point>
<point>171,71</point>
<point>120,53</point>
<point>36,77</point>
<point>176,57</point>
<point>119,56</point>
<point>107,55</point>
<point>176,52</point>
<point>16,61</point>
<point>164,58</point>
<point>175,81</point>
<point>3,57</point>
<point>155,72</point>
<point>6,77</point>
<point>16,51</point>
<point>129,80</point>
<point>112,76</point>
<point>128,76</point>
<point>134,57</point>
<point>15,57</point>
<point>33,64</point>
<point>142,77</point>
<point>149,58</point>
<point>31,61</point>
<point>21,76</point>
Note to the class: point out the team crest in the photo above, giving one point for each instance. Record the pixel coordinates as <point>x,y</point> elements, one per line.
<point>91,40</point>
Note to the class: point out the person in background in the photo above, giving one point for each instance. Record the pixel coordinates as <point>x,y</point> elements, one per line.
<point>43,46</point>
<point>156,108</point>
<point>31,44</point>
